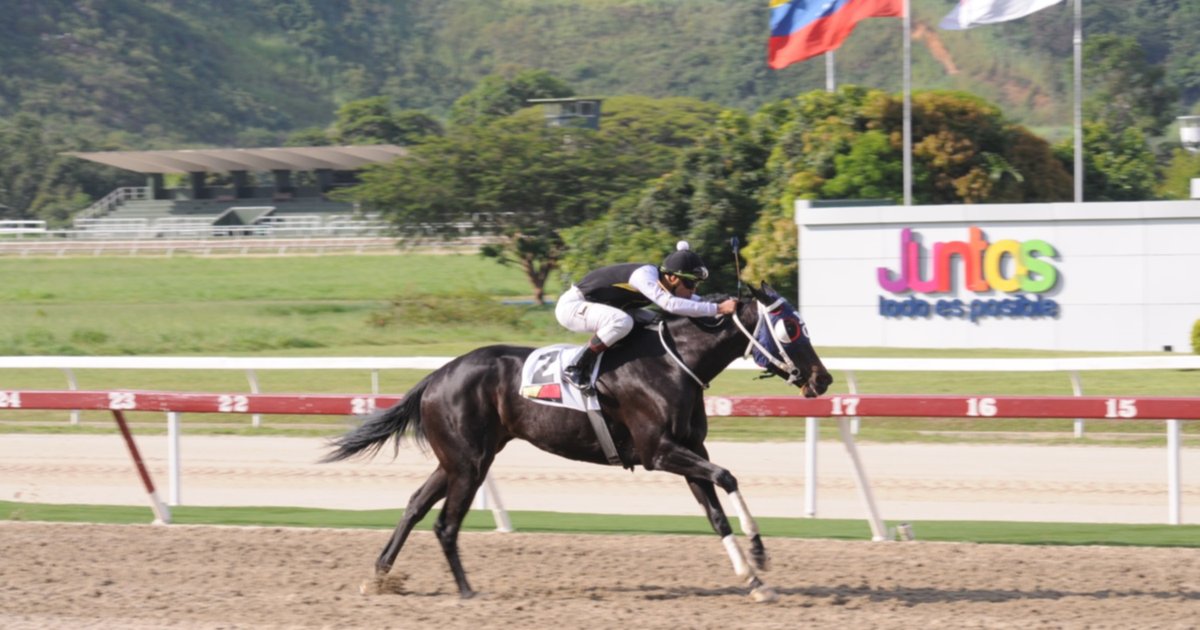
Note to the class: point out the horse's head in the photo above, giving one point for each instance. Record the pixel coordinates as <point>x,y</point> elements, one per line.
<point>783,346</point>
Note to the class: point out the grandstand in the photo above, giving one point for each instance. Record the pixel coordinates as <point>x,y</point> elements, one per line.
<point>239,201</point>
<point>240,205</point>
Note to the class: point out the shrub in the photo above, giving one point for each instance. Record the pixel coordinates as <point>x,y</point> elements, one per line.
<point>463,309</point>
<point>1196,337</point>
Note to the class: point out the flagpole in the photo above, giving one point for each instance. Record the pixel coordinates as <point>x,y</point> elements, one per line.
<point>908,102</point>
<point>1078,44</point>
<point>830,77</point>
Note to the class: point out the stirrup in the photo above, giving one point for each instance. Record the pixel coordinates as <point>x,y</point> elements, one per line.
<point>579,379</point>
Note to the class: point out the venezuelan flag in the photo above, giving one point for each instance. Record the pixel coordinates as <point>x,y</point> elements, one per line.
<point>805,28</point>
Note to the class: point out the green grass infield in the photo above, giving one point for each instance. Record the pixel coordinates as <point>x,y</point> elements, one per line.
<point>1022,533</point>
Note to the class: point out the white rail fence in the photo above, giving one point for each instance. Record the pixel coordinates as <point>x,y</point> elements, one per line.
<point>843,406</point>
<point>1070,368</point>
<point>20,228</point>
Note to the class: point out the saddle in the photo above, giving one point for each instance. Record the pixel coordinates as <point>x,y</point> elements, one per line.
<point>542,382</point>
<point>542,375</point>
<point>542,378</point>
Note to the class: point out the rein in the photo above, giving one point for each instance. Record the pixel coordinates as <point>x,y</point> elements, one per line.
<point>678,361</point>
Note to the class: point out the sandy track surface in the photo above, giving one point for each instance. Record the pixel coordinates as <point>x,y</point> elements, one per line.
<point>143,576</point>
<point>911,482</point>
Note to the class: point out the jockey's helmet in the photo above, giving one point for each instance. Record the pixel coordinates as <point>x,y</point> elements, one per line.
<point>685,263</point>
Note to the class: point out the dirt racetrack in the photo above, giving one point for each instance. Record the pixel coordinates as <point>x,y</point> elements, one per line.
<point>145,576</point>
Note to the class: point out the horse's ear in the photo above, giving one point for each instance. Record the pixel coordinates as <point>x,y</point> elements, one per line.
<point>768,292</point>
<point>758,295</point>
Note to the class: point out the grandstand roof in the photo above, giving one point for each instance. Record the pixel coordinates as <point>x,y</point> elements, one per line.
<point>267,159</point>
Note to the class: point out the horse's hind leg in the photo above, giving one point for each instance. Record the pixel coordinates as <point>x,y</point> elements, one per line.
<point>419,504</point>
<point>461,488</point>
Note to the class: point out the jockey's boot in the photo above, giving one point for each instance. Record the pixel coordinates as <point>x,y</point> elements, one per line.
<point>580,373</point>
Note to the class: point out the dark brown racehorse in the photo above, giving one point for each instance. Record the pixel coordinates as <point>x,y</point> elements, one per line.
<point>652,398</point>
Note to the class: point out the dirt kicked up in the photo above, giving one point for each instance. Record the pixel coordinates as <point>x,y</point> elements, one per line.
<point>143,576</point>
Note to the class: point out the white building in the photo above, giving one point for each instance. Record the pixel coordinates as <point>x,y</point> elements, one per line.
<point>1064,276</point>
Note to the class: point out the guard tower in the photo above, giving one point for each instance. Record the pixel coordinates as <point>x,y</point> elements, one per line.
<point>1189,132</point>
<point>570,112</point>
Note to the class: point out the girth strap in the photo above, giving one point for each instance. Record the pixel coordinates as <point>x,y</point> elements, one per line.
<point>604,436</point>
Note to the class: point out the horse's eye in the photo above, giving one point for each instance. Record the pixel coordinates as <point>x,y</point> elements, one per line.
<point>787,330</point>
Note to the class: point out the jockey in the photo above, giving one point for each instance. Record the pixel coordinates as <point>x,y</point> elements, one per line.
<point>598,303</point>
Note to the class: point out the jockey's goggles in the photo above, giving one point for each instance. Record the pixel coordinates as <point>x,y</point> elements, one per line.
<point>690,280</point>
<point>697,274</point>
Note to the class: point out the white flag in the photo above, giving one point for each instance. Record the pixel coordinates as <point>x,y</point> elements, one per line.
<point>971,13</point>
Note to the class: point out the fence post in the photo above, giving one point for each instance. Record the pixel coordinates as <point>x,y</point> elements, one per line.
<point>73,386</point>
<point>1174,499</point>
<point>161,512</point>
<point>812,433</point>
<point>256,419</point>
<point>852,385</point>
<point>173,472</point>
<point>878,531</point>
<point>1077,387</point>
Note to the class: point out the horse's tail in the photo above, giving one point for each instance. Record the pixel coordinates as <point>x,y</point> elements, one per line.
<point>367,438</point>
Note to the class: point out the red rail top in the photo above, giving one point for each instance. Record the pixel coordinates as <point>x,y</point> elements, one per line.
<point>1119,408</point>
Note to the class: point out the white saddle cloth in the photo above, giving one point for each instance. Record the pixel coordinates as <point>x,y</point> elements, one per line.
<point>542,378</point>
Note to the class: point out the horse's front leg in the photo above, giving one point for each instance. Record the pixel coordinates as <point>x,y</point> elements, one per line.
<point>758,553</point>
<point>701,474</point>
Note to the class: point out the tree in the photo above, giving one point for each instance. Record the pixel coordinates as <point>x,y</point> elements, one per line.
<point>1124,89</point>
<point>496,96</point>
<point>412,126</point>
<point>848,145</point>
<point>706,199</point>
<point>37,181</point>
<point>1184,71</point>
<point>868,171</point>
<point>374,121</point>
<point>964,151</point>
<point>530,180</point>
<point>365,121</point>
<point>24,155</point>
<point>308,137</point>
<point>1117,165</point>
<point>967,152</point>
<point>1177,179</point>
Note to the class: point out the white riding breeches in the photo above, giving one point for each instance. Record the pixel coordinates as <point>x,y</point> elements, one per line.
<point>578,315</point>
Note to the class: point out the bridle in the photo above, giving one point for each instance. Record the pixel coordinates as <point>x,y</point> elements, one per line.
<point>785,364</point>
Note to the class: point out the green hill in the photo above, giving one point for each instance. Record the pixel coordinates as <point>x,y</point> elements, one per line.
<point>163,73</point>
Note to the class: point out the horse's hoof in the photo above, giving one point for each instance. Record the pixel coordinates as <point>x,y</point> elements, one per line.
<point>763,594</point>
<point>467,594</point>
<point>761,562</point>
